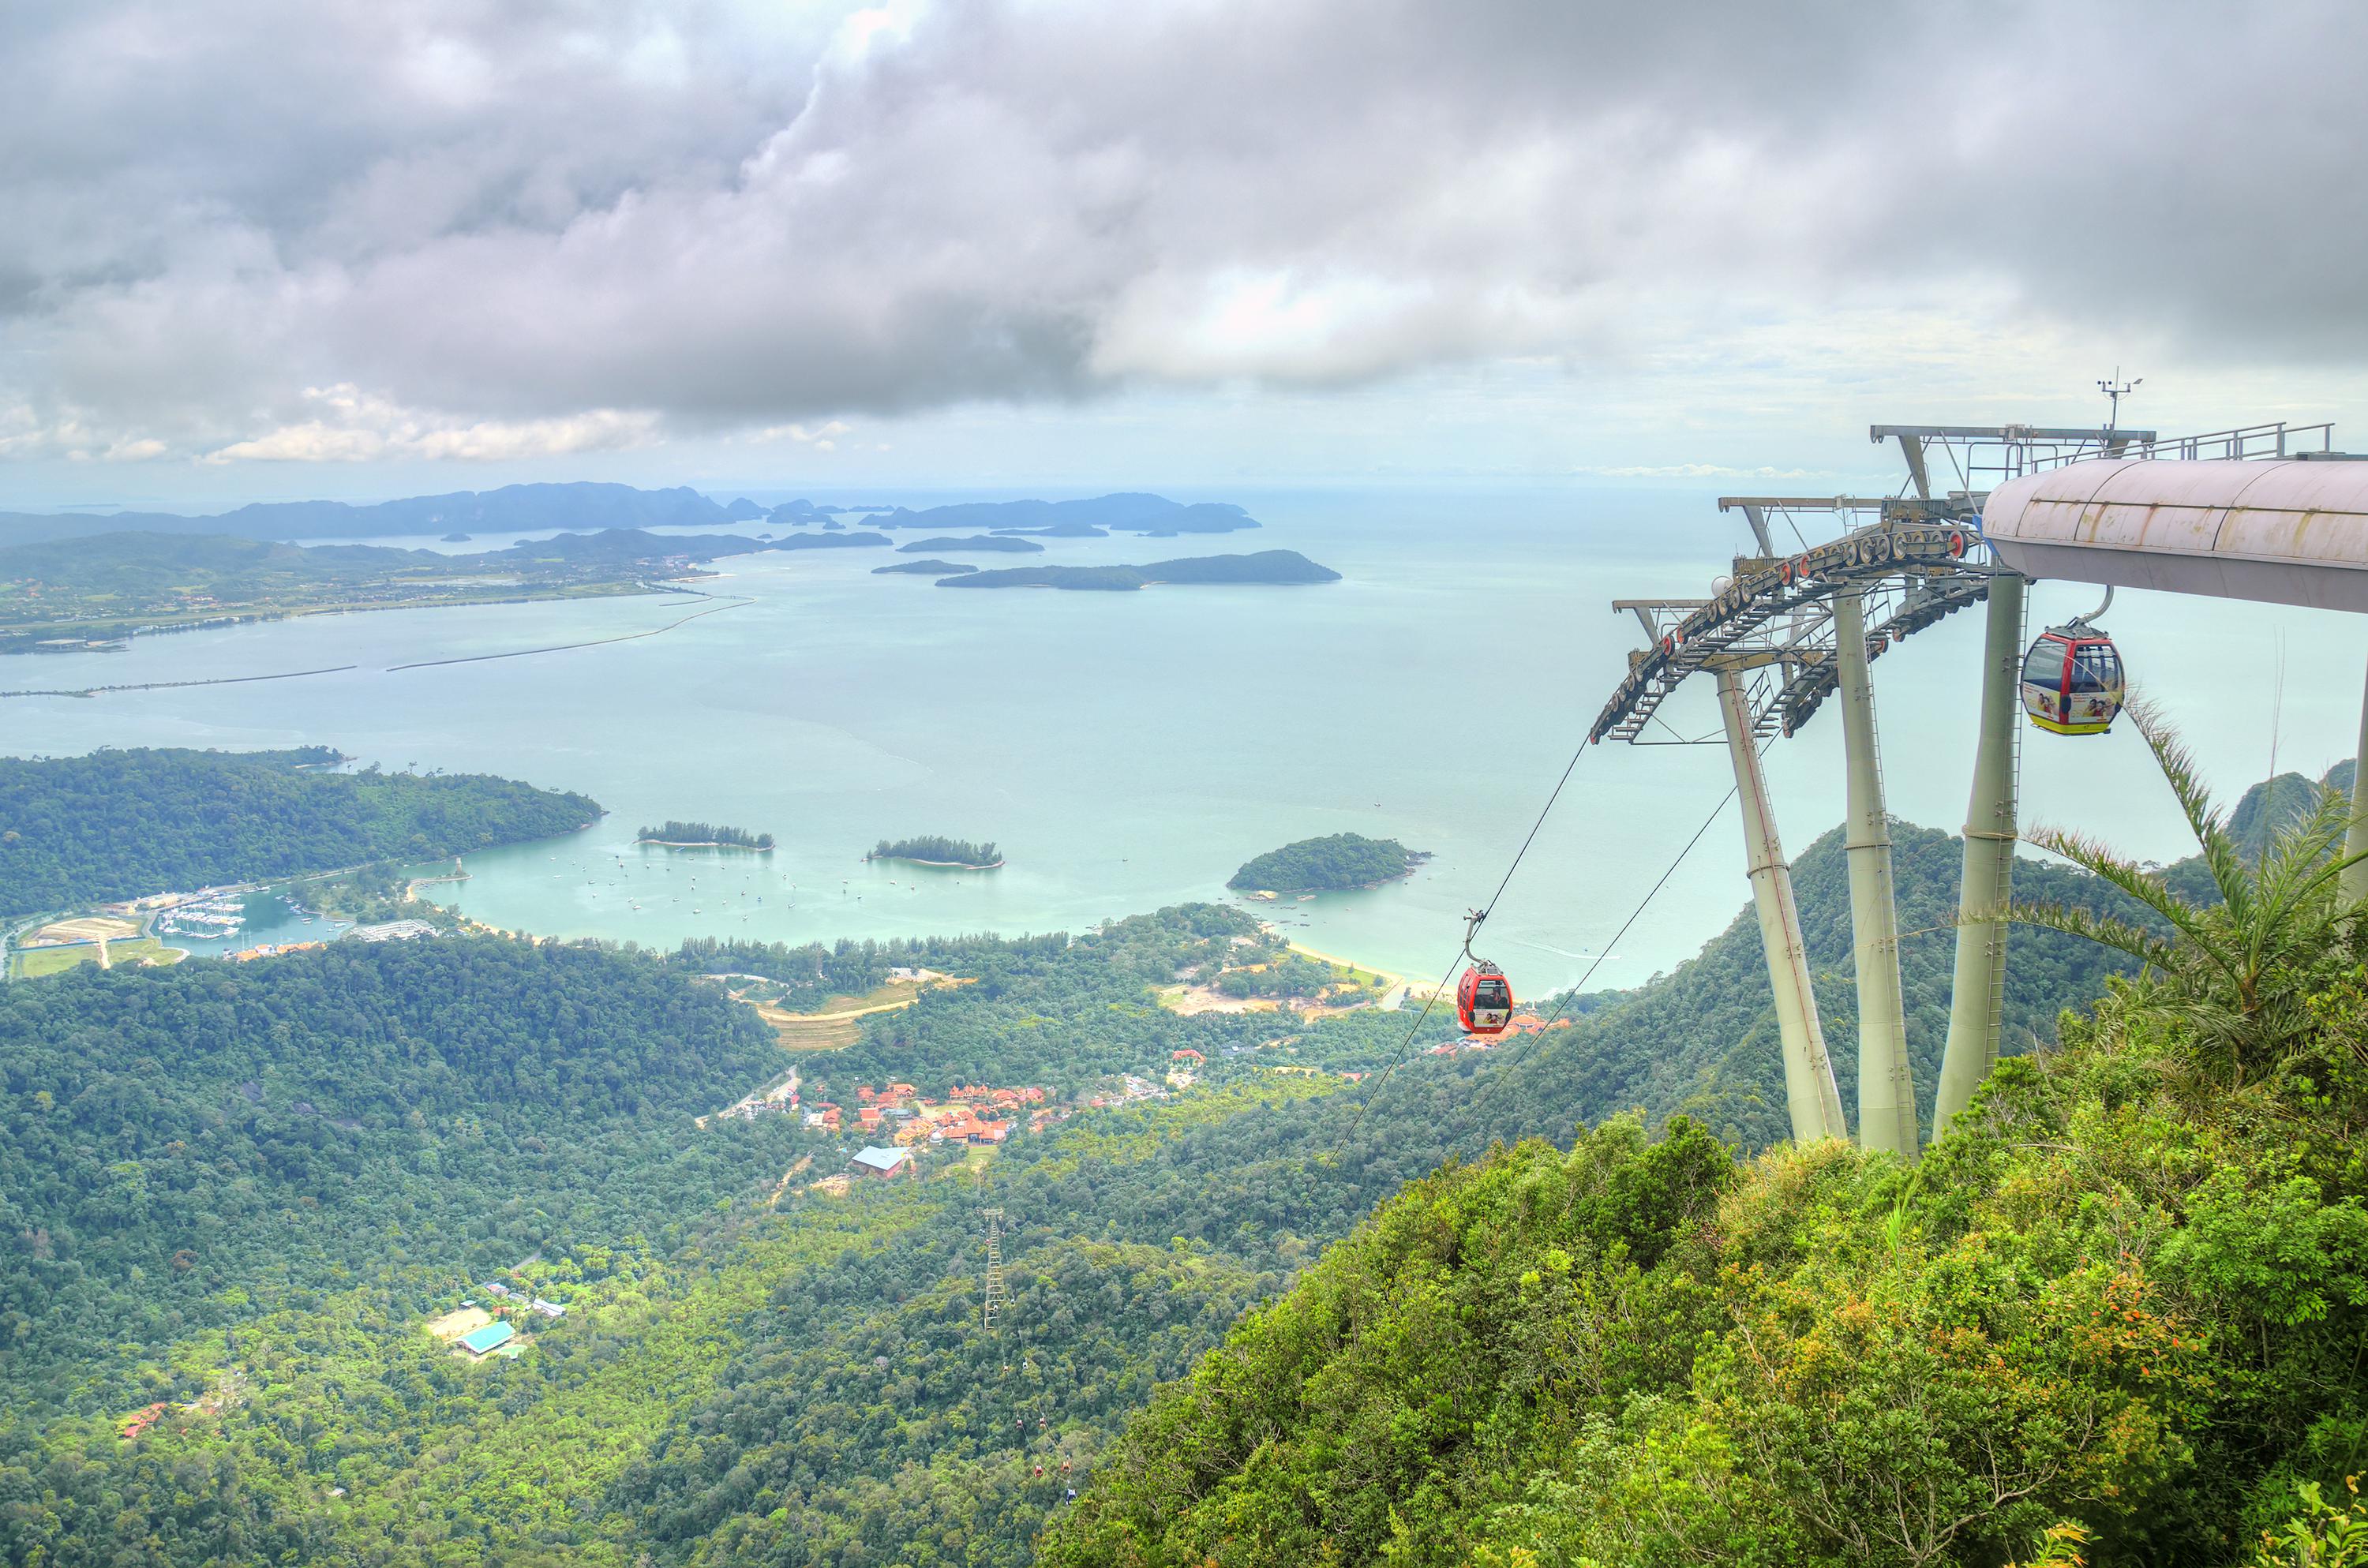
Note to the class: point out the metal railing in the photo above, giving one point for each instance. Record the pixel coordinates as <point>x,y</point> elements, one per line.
<point>2247,442</point>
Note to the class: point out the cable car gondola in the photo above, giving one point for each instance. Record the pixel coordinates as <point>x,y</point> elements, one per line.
<point>2072,678</point>
<point>1483,997</point>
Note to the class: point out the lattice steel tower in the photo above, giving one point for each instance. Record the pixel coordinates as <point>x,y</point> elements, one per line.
<point>995,1297</point>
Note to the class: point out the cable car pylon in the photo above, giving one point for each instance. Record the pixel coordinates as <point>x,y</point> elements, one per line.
<point>1809,1092</point>
<point>996,1299</point>
<point>1886,1080</point>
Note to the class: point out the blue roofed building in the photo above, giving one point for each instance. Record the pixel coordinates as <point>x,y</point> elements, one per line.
<point>876,1162</point>
<point>488,1339</point>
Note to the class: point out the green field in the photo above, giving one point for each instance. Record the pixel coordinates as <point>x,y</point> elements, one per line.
<point>31,964</point>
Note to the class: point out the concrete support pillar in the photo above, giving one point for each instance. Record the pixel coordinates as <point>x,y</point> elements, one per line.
<point>1809,1092</point>
<point>2353,884</point>
<point>1979,992</point>
<point>1887,1081</point>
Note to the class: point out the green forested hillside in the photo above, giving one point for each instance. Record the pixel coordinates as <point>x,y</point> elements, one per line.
<point>181,1147</point>
<point>116,825</point>
<point>800,1384</point>
<point>2116,1317</point>
<point>2120,1299</point>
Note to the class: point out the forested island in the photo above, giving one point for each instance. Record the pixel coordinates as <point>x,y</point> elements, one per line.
<point>1276,566</point>
<point>923,569</point>
<point>1331,864</point>
<point>672,835</point>
<point>991,544</point>
<point>932,849</point>
<point>122,824</point>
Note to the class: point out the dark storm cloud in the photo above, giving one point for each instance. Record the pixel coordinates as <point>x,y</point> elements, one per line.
<point>496,225</point>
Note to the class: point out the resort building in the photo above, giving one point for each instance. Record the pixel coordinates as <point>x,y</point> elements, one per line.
<point>875,1162</point>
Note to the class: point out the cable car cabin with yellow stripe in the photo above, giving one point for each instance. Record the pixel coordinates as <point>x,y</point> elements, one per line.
<point>2072,681</point>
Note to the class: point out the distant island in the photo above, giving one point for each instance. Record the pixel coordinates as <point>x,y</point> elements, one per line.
<point>1076,528</point>
<point>1284,567</point>
<point>672,834</point>
<point>1332,864</point>
<point>74,592</point>
<point>1129,512</point>
<point>514,509</point>
<point>1001,543</point>
<point>932,849</point>
<point>925,568</point>
<point>456,539</point>
<point>524,508</point>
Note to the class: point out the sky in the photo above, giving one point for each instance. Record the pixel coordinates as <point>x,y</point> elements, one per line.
<point>265,249</point>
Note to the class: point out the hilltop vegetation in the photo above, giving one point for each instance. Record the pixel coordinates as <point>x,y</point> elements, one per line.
<point>118,825</point>
<point>935,850</point>
<point>2119,1308</point>
<point>1327,864</point>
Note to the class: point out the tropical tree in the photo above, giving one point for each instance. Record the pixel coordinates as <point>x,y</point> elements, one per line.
<point>2235,975</point>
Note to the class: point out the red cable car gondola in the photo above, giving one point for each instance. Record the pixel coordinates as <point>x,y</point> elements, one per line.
<point>1483,997</point>
<point>2073,682</point>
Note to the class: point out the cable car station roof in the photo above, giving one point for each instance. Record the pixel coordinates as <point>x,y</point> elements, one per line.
<point>2293,532</point>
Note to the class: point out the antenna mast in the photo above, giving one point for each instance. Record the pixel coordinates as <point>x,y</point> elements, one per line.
<point>2115,390</point>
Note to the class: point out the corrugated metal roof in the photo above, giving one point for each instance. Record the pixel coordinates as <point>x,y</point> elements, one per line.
<point>491,1338</point>
<point>2284,532</point>
<point>882,1159</point>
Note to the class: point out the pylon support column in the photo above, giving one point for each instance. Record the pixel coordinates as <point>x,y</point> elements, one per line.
<point>1886,1080</point>
<point>1978,994</point>
<point>2352,882</point>
<point>1809,1092</point>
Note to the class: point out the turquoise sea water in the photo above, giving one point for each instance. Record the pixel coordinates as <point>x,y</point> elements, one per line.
<point>1129,750</point>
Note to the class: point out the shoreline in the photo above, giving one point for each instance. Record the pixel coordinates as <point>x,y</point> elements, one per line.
<point>1394,980</point>
<point>946,864</point>
<point>702,844</point>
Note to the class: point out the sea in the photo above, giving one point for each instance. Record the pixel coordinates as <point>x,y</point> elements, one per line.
<point>1129,751</point>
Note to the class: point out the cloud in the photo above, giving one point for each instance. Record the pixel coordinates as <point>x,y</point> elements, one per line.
<point>352,427</point>
<point>555,227</point>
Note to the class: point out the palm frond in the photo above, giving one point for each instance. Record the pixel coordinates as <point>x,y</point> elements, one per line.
<point>2091,856</point>
<point>2103,929</point>
<point>2221,856</point>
